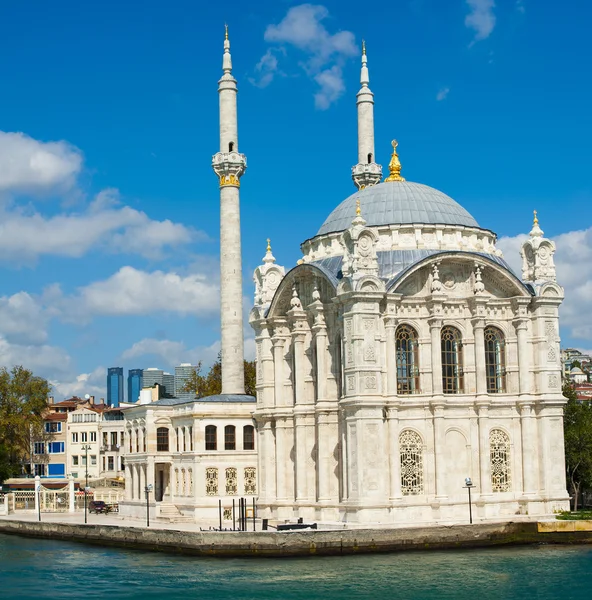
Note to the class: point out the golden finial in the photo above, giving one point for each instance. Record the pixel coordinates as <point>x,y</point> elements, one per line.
<point>225,31</point>
<point>395,165</point>
<point>536,220</point>
<point>268,245</point>
<point>363,47</point>
<point>358,208</point>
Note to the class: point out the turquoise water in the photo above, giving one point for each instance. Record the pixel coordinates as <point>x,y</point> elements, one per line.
<point>45,569</point>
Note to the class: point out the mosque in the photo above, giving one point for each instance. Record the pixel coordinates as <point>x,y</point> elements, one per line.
<point>400,361</point>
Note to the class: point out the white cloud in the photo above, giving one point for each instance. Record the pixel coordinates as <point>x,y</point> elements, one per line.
<point>520,6</point>
<point>573,260</point>
<point>43,360</point>
<point>93,383</point>
<point>31,166</point>
<point>23,319</point>
<point>26,234</point>
<point>302,28</point>
<point>172,353</point>
<point>132,291</point>
<point>480,18</point>
<point>442,94</point>
<point>266,69</point>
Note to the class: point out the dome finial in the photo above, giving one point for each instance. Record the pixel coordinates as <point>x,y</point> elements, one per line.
<point>363,47</point>
<point>268,245</point>
<point>536,219</point>
<point>395,165</point>
<point>225,31</point>
<point>536,230</point>
<point>358,208</point>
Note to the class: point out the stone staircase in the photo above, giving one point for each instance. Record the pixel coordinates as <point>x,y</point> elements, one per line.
<point>170,513</point>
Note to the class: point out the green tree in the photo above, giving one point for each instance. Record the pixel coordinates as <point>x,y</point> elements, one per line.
<point>211,384</point>
<point>577,423</point>
<point>576,363</point>
<point>23,402</point>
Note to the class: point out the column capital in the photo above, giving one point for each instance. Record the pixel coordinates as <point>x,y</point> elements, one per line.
<point>435,322</point>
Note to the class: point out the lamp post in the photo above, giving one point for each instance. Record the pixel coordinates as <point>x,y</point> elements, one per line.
<point>148,489</point>
<point>469,484</point>
<point>39,502</point>
<point>86,448</point>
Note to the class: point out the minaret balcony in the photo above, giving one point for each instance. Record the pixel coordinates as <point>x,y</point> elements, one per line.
<point>366,174</point>
<point>229,167</point>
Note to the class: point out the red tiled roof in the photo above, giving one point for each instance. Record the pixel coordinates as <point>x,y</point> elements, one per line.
<point>56,417</point>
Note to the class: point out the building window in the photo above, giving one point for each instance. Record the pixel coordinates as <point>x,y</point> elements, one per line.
<point>84,436</point>
<point>495,360</point>
<point>75,475</point>
<point>231,482</point>
<point>53,427</point>
<point>113,438</point>
<point>177,438</point>
<point>75,438</point>
<point>230,437</point>
<point>162,439</point>
<point>93,436</point>
<point>211,437</point>
<point>137,440</point>
<point>144,439</point>
<point>452,365</point>
<point>39,448</point>
<point>411,452</point>
<point>248,437</point>
<point>130,441</point>
<point>211,481</point>
<point>55,447</point>
<point>75,461</point>
<point>93,460</point>
<point>122,439</point>
<point>191,438</point>
<point>40,470</point>
<point>499,448</point>
<point>110,463</point>
<point>184,436</point>
<point>250,481</point>
<point>83,460</point>
<point>407,351</point>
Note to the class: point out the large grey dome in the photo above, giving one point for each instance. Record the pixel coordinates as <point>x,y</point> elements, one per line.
<point>398,202</point>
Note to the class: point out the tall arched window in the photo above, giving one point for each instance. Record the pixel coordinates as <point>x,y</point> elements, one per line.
<point>452,360</point>
<point>495,360</point>
<point>137,440</point>
<point>144,438</point>
<point>499,448</point>
<point>230,437</point>
<point>407,352</point>
<point>211,437</point>
<point>248,437</point>
<point>162,439</point>
<point>411,452</point>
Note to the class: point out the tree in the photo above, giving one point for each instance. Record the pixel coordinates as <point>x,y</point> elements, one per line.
<point>211,384</point>
<point>23,403</point>
<point>577,424</point>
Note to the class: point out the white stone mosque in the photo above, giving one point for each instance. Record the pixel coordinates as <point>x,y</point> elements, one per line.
<point>398,358</point>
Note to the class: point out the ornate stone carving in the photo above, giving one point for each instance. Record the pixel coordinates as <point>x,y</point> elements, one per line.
<point>436,287</point>
<point>537,256</point>
<point>267,278</point>
<point>553,381</point>
<point>229,166</point>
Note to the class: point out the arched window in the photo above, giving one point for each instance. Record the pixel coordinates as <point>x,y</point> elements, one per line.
<point>248,437</point>
<point>191,438</point>
<point>211,437</point>
<point>137,440</point>
<point>144,438</point>
<point>499,448</point>
<point>184,434</point>
<point>407,352</point>
<point>369,157</point>
<point>162,439</point>
<point>411,452</point>
<point>231,481</point>
<point>452,360</point>
<point>178,438</point>
<point>130,441</point>
<point>212,481</point>
<point>231,147</point>
<point>495,360</point>
<point>230,437</point>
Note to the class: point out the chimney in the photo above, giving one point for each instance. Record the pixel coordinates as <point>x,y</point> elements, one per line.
<point>92,400</point>
<point>51,400</point>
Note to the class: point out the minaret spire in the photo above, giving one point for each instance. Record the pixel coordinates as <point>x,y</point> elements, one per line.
<point>366,172</point>
<point>229,166</point>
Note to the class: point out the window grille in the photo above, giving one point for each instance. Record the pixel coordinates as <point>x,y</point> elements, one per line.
<point>499,447</point>
<point>452,361</point>
<point>162,439</point>
<point>495,360</point>
<point>211,437</point>
<point>411,452</point>
<point>407,353</point>
<point>230,437</point>
<point>250,481</point>
<point>211,481</point>
<point>248,437</point>
<point>231,482</point>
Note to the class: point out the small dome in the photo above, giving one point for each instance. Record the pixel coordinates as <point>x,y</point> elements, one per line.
<point>396,203</point>
<point>577,371</point>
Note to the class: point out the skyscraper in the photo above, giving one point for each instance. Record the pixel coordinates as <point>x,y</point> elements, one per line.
<point>152,376</point>
<point>114,386</point>
<point>183,373</point>
<point>134,384</point>
<point>168,383</point>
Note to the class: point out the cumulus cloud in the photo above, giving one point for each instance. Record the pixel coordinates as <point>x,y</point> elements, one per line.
<point>442,94</point>
<point>92,383</point>
<point>267,68</point>
<point>481,18</point>
<point>325,53</point>
<point>26,234</point>
<point>43,360</point>
<point>34,167</point>
<point>22,319</point>
<point>573,260</point>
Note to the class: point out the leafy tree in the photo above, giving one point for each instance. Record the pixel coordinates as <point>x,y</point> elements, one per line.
<point>211,384</point>
<point>577,423</point>
<point>576,363</point>
<point>23,402</point>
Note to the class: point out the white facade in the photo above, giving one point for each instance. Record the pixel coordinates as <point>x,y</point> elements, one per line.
<point>83,432</point>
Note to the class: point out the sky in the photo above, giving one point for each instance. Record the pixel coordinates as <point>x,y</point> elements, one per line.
<point>109,118</point>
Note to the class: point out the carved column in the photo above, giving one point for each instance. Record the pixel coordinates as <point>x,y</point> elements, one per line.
<point>394,453</point>
<point>480,367</point>
<point>438,409</point>
<point>436,346</point>
<point>269,457</point>
<point>278,370</point>
<point>390,325</point>
<point>128,482</point>
<point>529,445</point>
<point>484,450</point>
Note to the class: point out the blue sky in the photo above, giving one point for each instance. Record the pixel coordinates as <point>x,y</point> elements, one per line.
<point>109,119</point>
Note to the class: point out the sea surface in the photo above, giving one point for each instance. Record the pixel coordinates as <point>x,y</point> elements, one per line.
<point>32,568</point>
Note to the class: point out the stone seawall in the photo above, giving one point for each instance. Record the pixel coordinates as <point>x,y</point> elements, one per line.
<point>301,543</point>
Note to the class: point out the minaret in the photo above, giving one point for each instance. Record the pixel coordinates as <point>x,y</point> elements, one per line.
<point>366,172</point>
<point>229,166</point>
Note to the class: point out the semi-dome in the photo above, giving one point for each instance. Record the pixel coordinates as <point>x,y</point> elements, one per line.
<point>396,203</point>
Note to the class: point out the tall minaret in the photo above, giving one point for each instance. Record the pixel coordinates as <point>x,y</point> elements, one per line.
<point>366,172</point>
<point>229,166</point>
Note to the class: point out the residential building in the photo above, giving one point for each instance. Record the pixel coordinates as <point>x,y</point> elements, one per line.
<point>134,384</point>
<point>83,442</point>
<point>183,373</point>
<point>114,386</point>
<point>112,435</point>
<point>48,456</point>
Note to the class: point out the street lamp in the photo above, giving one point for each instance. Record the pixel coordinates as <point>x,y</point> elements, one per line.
<point>86,448</point>
<point>148,489</point>
<point>39,501</point>
<point>469,484</point>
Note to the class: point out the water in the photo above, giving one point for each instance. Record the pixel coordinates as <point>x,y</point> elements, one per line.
<point>32,568</point>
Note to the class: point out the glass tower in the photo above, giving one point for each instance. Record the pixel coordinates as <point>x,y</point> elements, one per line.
<point>114,386</point>
<point>134,384</point>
